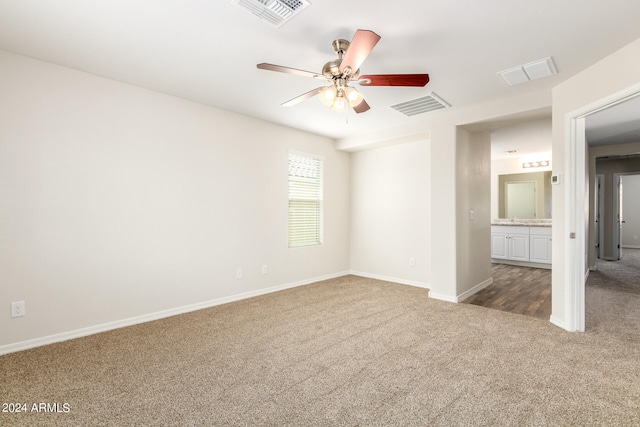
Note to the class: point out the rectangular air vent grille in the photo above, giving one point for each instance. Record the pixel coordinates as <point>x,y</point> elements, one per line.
<point>275,12</point>
<point>416,106</point>
<point>533,70</point>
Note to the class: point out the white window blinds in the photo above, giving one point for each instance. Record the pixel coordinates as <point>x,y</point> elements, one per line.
<point>305,200</point>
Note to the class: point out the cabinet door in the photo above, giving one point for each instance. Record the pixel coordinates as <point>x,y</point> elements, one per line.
<point>540,249</point>
<point>499,247</point>
<point>519,247</point>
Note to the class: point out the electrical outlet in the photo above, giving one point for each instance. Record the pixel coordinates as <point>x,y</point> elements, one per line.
<point>265,269</point>
<point>239,273</point>
<point>18,309</point>
<point>635,237</point>
<point>412,262</point>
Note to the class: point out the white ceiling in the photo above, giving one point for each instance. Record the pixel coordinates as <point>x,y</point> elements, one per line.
<point>530,139</point>
<point>618,124</point>
<point>207,50</point>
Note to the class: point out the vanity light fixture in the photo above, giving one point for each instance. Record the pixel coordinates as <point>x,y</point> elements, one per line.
<point>537,164</point>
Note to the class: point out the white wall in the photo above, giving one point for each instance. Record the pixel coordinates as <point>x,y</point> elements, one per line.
<point>390,204</point>
<point>446,222</point>
<point>443,127</point>
<point>473,189</point>
<point>117,202</point>
<point>614,76</point>
<point>533,133</point>
<point>514,166</point>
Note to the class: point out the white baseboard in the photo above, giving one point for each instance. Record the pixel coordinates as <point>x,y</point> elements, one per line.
<point>477,288</point>
<point>83,332</point>
<point>463,296</point>
<point>522,263</point>
<point>391,279</point>
<point>559,322</point>
<point>443,297</point>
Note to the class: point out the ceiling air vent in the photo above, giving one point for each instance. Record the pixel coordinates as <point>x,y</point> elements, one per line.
<point>533,70</point>
<point>425,104</point>
<point>275,12</point>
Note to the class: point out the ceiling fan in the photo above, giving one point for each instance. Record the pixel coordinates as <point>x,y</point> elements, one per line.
<point>340,72</point>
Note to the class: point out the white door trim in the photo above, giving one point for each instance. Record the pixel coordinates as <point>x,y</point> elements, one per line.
<point>575,199</point>
<point>600,215</point>
<point>616,245</point>
<point>574,220</point>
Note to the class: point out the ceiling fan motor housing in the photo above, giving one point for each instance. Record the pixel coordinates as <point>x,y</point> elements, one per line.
<point>345,69</point>
<point>332,68</point>
<point>340,46</point>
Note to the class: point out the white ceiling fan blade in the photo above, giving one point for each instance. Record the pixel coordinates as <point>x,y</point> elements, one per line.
<point>304,96</point>
<point>289,70</point>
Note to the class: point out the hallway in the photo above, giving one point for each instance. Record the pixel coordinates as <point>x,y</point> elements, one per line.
<point>613,296</point>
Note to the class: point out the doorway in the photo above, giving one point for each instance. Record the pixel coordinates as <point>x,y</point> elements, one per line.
<point>520,194</point>
<point>576,195</point>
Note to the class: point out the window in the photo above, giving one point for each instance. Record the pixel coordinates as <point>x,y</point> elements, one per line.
<point>305,199</point>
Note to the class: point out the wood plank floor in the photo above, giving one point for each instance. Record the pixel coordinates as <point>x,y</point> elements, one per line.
<point>520,290</point>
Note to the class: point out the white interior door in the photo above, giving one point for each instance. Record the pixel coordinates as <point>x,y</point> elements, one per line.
<point>599,215</point>
<point>617,212</point>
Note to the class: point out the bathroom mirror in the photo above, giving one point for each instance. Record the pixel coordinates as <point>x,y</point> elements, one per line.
<point>525,195</point>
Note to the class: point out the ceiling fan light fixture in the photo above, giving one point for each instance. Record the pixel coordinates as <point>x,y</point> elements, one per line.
<point>328,95</point>
<point>354,97</point>
<point>338,98</point>
<point>340,72</point>
<point>339,104</point>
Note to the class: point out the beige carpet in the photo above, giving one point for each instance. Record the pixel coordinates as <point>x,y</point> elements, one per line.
<point>613,296</point>
<point>344,352</point>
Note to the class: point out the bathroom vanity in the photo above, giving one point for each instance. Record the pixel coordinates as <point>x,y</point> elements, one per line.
<point>525,242</point>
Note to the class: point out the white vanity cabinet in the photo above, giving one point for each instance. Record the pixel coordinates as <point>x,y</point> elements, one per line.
<point>540,244</point>
<point>510,242</point>
<point>521,245</point>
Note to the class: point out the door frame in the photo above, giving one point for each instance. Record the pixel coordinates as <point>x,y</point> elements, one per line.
<point>617,215</point>
<point>576,199</point>
<point>599,213</point>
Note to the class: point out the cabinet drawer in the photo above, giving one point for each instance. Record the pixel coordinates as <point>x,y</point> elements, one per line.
<point>540,231</point>
<point>510,229</point>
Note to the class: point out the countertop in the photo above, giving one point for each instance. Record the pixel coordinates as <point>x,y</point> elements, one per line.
<point>522,222</point>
